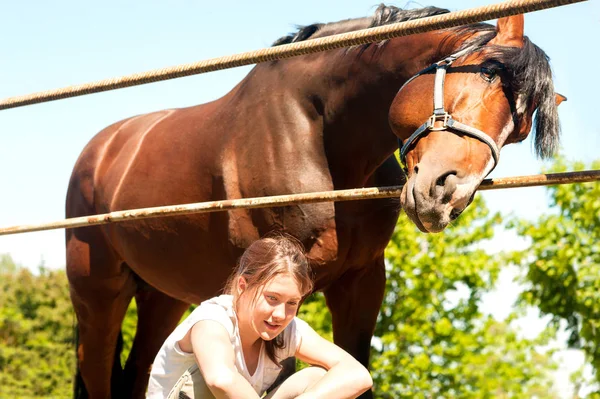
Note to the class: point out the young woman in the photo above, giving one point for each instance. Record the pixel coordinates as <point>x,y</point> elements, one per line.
<point>232,346</point>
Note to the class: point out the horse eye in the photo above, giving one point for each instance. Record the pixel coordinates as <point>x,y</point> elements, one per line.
<point>489,74</point>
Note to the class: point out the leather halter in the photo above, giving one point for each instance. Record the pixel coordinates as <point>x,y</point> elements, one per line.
<point>449,124</point>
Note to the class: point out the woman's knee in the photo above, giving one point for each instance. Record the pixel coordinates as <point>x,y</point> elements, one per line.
<point>297,383</point>
<point>313,373</point>
<point>306,378</point>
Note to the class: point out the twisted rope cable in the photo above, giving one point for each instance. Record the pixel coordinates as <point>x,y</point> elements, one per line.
<point>364,36</point>
<point>283,200</point>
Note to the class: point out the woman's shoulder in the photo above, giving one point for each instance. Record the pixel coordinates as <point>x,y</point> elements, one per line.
<point>219,303</point>
<point>225,301</point>
<point>292,335</point>
<point>296,327</point>
<point>219,309</point>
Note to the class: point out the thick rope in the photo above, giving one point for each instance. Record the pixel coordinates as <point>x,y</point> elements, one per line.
<point>364,36</point>
<point>282,200</point>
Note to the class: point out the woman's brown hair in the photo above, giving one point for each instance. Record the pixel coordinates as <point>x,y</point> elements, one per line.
<point>273,255</point>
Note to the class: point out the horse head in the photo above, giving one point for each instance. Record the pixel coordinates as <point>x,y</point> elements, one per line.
<point>484,93</point>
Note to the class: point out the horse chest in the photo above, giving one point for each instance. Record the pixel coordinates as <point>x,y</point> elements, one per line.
<point>355,237</point>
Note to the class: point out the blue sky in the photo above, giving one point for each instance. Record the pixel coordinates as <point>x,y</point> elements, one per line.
<point>47,45</point>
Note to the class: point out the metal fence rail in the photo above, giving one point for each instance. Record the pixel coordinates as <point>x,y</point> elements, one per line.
<point>282,200</point>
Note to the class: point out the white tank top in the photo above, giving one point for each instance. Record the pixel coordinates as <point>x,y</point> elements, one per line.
<point>171,362</point>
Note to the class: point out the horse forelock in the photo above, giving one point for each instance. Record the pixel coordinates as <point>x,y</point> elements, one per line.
<point>530,81</point>
<point>538,76</point>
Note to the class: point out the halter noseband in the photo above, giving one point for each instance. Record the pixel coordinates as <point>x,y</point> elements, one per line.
<point>440,114</point>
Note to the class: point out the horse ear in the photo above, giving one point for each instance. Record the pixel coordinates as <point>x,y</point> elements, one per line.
<point>559,98</point>
<point>509,31</point>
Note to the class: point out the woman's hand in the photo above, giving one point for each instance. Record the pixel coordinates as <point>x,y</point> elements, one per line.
<point>345,377</point>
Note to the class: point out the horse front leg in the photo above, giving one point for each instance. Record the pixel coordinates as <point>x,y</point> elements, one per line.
<point>354,301</point>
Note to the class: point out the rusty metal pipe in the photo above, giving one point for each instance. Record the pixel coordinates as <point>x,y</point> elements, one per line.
<point>282,200</point>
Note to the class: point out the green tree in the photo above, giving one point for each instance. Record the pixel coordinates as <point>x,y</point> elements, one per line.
<point>428,345</point>
<point>7,264</point>
<point>37,355</point>
<point>432,344</point>
<point>563,262</point>
<point>37,330</point>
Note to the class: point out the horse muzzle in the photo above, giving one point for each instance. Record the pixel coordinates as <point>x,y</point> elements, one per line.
<point>433,199</point>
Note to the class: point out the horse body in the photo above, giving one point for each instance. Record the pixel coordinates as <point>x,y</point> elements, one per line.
<point>205,153</point>
<point>312,123</point>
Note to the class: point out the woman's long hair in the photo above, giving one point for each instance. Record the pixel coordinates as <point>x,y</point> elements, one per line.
<point>273,255</point>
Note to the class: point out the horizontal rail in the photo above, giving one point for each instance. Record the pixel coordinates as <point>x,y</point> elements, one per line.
<point>449,20</point>
<point>292,199</point>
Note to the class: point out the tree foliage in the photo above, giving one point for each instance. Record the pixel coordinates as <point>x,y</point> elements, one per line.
<point>37,332</point>
<point>563,261</point>
<point>37,355</point>
<point>435,342</point>
<point>431,340</point>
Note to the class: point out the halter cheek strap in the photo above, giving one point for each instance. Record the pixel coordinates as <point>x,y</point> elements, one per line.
<point>448,123</point>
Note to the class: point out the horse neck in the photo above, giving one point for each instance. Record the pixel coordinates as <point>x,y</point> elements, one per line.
<point>364,82</point>
<point>343,96</point>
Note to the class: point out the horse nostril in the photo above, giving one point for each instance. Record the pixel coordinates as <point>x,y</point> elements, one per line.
<point>454,214</point>
<point>416,169</point>
<point>441,181</point>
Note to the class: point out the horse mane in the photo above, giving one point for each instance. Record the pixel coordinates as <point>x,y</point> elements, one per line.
<point>530,78</point>
<point>383,15</point>
<point>528,67</point>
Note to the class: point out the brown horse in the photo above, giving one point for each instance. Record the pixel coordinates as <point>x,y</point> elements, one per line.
<point>319,122</point>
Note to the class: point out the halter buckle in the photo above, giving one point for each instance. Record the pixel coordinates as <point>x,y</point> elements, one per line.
<point>443,117</point>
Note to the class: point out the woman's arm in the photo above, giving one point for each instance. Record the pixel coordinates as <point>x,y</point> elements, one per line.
<point>345,377</point>
<point>209,341</point>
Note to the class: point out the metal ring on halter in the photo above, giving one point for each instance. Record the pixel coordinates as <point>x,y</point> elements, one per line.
<point>440,115</point>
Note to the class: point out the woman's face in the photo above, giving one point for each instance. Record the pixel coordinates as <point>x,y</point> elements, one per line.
<point>276,305</point>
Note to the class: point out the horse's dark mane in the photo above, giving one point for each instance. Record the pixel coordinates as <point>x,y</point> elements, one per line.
<point>530,78</point>
<point>384,15</point>
<point>528,67</point>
